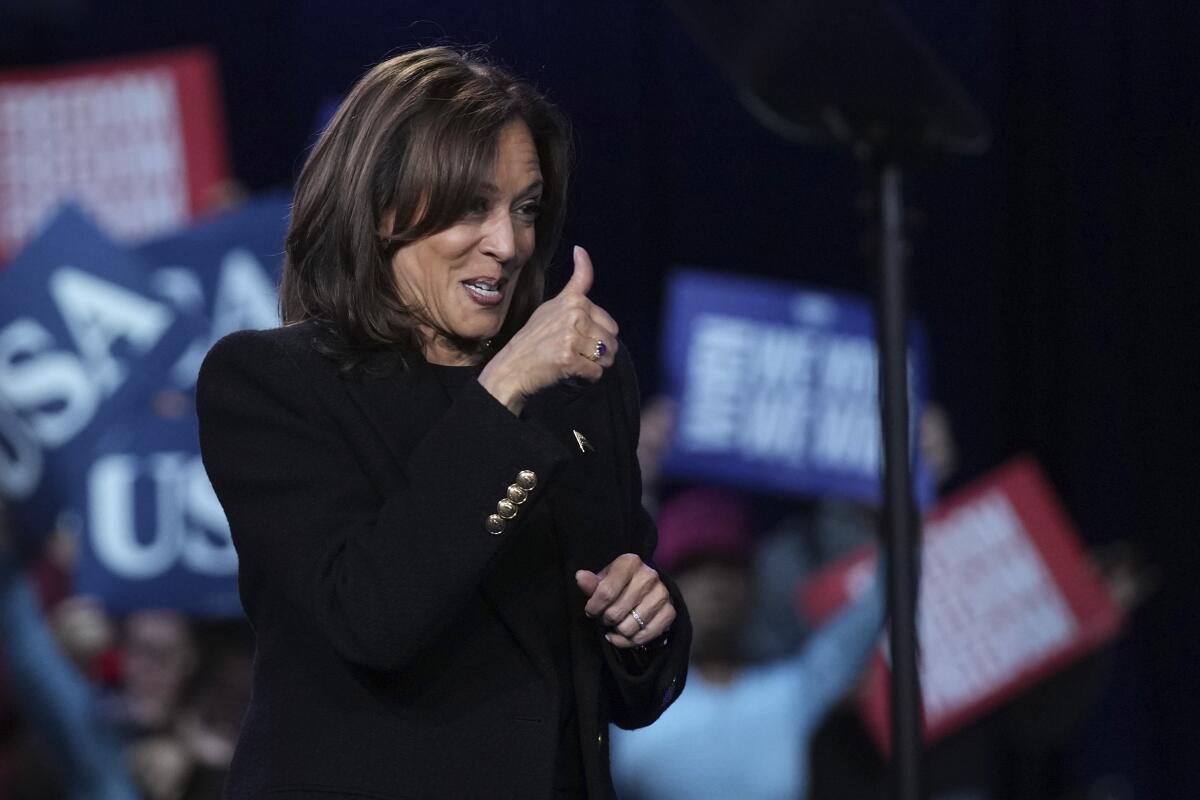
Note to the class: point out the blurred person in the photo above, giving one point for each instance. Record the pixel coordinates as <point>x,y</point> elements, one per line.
<point>84,631</point>
<point>216,701</point>
<point>430,473</point>
<point>65,712</point>
<point>100,728</point>
<point>741,730</point>
<point>159,659</point>
<point>804,543</point>
<point>185,690</point>
<point>161,764</point>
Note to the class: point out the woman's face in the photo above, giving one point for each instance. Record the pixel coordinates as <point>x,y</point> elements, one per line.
<point>463,277</point>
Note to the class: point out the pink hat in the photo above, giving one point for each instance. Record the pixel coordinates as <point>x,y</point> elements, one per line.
<point>702,522</point>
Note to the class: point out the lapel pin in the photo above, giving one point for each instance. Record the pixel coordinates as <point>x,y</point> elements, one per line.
<point>584,445</point>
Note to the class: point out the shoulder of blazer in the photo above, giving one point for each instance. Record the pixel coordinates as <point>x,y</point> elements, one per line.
<point>294,341</point>
<point>276,366</point>
<point>297,344</point>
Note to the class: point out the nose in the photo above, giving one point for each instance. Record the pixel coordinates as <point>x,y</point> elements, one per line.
<point>499,237</point>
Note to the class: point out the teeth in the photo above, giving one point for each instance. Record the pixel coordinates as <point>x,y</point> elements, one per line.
<point>483,287</point>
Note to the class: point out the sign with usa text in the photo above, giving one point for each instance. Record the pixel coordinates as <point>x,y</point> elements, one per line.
<point>224,270</point>
<point>98,355</point>
<point>83,339</point>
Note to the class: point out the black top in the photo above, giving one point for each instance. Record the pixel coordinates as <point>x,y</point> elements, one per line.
<point>540,548</point>
<point>400,651</point>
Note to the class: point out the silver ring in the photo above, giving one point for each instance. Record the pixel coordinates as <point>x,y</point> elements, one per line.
<point>600,349</point>
<point>638,619</point>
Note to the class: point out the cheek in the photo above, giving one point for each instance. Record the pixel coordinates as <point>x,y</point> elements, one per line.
<point>526,239</point>
<point>453,244</point>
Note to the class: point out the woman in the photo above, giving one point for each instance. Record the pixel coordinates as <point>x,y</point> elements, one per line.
<point>431,478</point>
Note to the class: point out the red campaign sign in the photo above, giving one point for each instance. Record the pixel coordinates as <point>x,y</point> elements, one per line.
<point>1007,598</point>
<point>139,142</point>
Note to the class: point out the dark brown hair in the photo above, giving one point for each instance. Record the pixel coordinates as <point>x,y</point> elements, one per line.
<point>416,137</point>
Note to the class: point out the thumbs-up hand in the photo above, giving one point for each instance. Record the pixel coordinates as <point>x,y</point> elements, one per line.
<point>568,336</point>
<point>581,277</point>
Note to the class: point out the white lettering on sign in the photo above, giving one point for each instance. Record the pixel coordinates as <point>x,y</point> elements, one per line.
<point>185,523</point>
<point>715,383</point>
<point>113,142</point>
<point>784,395</point>
<point>989,608</point>
<point>21,459</point>
<point>99,314</point>
<point>245,298</point>
<point>48,388</point>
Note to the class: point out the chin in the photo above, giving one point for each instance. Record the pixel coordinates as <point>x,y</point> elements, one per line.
<point>480,328</point>
<point>476,331</point>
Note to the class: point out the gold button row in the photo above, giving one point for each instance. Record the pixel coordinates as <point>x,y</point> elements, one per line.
<point>516,494</point>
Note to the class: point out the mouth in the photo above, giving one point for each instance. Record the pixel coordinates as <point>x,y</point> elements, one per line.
<point>485,291</point>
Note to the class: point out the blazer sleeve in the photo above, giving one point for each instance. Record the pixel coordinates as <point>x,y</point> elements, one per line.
<point>378,578</point>
<point>644,682</point>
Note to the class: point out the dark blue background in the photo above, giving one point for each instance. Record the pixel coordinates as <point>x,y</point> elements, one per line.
<point>1056,274</point>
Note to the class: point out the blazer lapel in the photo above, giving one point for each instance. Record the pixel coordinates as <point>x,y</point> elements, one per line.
<point>589,496</point>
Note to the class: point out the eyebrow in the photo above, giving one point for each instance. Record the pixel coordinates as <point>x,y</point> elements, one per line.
<point>492,188</point>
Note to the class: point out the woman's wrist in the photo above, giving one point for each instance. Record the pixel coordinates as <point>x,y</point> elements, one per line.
<point>500,385</point>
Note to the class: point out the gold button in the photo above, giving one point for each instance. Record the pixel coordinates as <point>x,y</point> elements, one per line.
<point>495,524</point>
<point>517,494</point>
<point>527,480</point>
<point>506,509</point>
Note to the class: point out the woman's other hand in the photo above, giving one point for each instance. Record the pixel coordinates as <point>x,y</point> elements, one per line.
<point>630,599</point>
<point>561,340</point>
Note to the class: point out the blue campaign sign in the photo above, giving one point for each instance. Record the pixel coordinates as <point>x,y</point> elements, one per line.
<point>777,387</point>
<point>226,270</point>
<point>83,338</point>
<point>152,532</point>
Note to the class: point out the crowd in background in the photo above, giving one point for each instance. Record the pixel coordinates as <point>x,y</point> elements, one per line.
<point>149,705</point>
<point>91,706</point>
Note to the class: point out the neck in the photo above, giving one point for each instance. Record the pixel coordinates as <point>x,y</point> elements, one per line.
<point>437,351</point>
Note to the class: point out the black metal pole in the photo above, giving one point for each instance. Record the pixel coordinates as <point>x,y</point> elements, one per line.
<point>900,531</point>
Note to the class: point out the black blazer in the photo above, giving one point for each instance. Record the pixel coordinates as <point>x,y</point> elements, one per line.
<point>396,653</point>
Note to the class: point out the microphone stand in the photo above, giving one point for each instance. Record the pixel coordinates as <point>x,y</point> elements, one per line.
<point>856,74</point>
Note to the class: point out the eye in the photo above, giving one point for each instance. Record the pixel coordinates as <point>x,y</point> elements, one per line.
<point>478,205</point>
<point>530,210</point>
